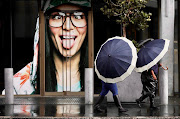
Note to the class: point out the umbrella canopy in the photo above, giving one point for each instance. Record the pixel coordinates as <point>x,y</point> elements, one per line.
<point>115,60</point>
<point>150,54</point>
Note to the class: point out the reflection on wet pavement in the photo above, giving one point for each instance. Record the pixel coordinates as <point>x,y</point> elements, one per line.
<point>79,109</point>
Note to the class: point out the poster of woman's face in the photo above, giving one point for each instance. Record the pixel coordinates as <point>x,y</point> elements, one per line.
<point>66,30</point>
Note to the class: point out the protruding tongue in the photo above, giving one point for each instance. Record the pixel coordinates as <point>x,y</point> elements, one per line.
<point>68,43</point>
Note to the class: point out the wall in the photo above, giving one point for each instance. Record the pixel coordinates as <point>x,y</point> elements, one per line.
<point>130,89</point>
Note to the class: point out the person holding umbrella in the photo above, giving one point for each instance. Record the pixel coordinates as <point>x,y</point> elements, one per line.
<point>149,81</point>
<point>115,61</point>
<point>151,52</point>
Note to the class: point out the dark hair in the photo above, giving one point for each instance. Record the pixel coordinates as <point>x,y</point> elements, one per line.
<point>50,76</point>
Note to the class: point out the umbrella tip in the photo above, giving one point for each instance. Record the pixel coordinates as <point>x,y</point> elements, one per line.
<point>109,55</point>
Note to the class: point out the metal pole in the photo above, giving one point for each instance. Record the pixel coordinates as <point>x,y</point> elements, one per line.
<point>9,95</point>
<point>179,45</point>
<point>89,86</point>
<point>164,111</point>
<point>166,25</point>
<point>8,72</point>
<point>89,110</point>
<point>9,110</point>
<point>163,86</point>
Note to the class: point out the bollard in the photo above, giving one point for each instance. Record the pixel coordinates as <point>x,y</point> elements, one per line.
<point>89,110</point>
<point>164,111</point>
<point>9,110</point>
<point>8,77</point>
<point>163,86</point>
<point>89,86</point>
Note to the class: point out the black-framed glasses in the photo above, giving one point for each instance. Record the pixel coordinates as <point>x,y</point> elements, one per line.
<point>58,18</point>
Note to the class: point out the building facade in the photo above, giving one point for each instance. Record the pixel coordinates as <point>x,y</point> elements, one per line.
<point>23,15</point>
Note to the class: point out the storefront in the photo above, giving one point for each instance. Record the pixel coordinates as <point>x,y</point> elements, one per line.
<point>23,16</point>
<point>31,57</point>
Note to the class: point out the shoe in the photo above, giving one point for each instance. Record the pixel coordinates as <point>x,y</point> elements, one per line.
<point>118,104</point>
<point>97,105</point>
<point>97,109</point>
<point>153,107</point>
<point>152,104</point>
<point>122,110</point>
<point>138,102</point>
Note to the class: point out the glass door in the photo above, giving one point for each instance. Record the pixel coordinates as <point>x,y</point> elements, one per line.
<point>66,50</point>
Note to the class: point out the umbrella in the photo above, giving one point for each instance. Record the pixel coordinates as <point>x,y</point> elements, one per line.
<point>150,54</point>
<point>115,60</point>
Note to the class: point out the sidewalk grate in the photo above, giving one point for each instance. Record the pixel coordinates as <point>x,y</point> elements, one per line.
<point>46,100</point>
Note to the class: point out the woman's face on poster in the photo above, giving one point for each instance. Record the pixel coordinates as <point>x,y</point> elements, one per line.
<point>68,28</point>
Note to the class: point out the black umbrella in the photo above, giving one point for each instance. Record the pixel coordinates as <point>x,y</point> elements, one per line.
<point>115,60</point>
<point>150,54</point>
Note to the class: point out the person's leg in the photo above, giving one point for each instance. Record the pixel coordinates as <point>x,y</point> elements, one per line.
<point>100,99</point>
<point>116,98</point>
<point>118,104</point>
<point>139,101</point>
<point>151,99</point>
<point>152,103</point>
<point>97,105</point>
<point>144,91</point>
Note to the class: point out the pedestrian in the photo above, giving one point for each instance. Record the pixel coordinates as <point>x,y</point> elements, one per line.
<point>106,87</point>
<point>149,81</point>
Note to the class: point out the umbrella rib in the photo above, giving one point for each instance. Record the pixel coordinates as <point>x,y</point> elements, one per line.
<point>155,51</point>
<point>104,50</point>
<point>102,56</point>
<point>144,57</point>
<point>122,45</point>
<point>117,69</point>
<point>149,54</point>
<point>100,67</point>
<point>152,48</point>
<point>124,55</point>
<point>122,49</point>
<point>121,61</point>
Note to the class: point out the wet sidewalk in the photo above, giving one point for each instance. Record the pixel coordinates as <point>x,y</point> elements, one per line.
<point>74,107</point>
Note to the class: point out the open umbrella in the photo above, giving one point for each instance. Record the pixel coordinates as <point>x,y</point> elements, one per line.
<point>150,54</point>
<point>115,60</point>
